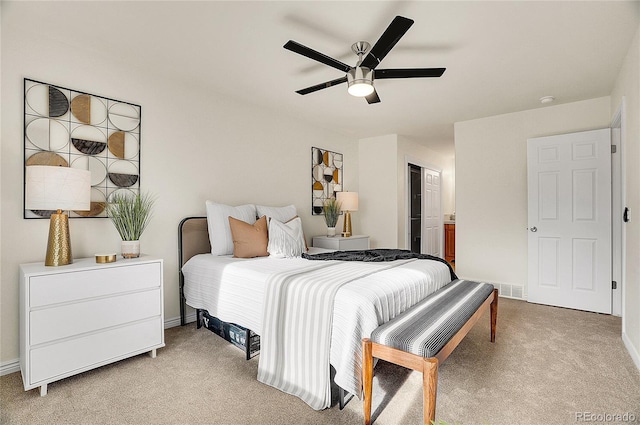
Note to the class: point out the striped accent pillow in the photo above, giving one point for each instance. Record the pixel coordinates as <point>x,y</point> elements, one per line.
<point>286,240</point>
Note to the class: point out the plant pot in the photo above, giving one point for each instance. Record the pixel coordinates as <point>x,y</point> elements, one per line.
<point>331,231</point>
<point>130,249</point>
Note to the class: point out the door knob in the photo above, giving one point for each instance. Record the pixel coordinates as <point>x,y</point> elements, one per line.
<point>534,229</point>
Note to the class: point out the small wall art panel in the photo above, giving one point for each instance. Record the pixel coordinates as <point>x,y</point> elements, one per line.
<point>70,128</point>
<point>326,177</point>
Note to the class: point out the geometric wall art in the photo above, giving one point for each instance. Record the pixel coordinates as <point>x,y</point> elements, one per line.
<point>70,128</point>
<point>326,177</point>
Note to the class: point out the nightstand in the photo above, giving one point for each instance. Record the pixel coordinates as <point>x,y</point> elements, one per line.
<point>340,243</point>
<point>84,315</point>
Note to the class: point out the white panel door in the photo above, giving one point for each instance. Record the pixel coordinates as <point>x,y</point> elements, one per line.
<point>432,229</point>
<point>569,193</point>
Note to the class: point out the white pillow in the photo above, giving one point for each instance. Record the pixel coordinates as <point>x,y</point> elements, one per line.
<point>286,240</point>
<point>218,224</point>
<point>282,214</point>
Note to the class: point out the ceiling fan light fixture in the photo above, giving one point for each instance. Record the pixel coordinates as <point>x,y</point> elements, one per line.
<point>360,89</point>
<point>359,78</point>
<point>360,81</point>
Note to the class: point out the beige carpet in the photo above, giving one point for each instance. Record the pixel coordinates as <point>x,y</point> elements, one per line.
<point>547,366</point>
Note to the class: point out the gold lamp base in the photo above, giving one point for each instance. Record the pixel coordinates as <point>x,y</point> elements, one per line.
<point>59,244</point>
<point>346,226</point>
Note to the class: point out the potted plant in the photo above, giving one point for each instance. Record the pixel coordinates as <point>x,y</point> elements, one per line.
<point>331,212</point>
<point>130,213</point>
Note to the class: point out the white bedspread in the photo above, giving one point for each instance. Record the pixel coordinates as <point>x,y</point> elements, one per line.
<point>234,291</point>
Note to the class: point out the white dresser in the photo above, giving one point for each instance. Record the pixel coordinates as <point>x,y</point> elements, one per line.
<point>341,243</point>
<point>84,315</point>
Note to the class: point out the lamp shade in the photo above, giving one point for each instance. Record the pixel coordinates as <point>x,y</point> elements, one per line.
<point>348,200</point>
<point>57,188</point>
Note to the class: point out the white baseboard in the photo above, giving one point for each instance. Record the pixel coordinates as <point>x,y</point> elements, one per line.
<point>170,323</point>
<point>10,367</point>
<point>633,352</point>
<point>14,365</point>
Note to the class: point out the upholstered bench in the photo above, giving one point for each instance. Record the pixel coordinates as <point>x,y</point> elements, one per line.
<point>426,334</point>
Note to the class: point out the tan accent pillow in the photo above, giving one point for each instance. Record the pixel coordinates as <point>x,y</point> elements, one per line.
<point>249,240</point>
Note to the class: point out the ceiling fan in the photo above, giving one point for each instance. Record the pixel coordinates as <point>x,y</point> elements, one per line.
<point>360,77</point>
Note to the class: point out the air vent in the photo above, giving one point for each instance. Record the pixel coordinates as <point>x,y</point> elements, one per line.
<point>508,290</point>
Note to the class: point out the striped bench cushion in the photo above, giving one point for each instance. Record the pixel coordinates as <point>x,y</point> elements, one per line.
<point>427,326</point>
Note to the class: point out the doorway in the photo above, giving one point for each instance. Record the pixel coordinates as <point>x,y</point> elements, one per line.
<point>569,214</point>
<point>617,212</point>
<point>424,209</point>
<point>415,208</point>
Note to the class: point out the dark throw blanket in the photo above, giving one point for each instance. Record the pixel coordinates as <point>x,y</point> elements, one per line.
<point>377,255</point>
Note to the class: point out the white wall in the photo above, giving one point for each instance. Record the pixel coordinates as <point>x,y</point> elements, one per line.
<point>378,210</point>
<point>416,152</point>
<point>383,184</point>
<point>491,184</point>
<point>627,86</point>
<point>449,177</point>
<point>196,145</point>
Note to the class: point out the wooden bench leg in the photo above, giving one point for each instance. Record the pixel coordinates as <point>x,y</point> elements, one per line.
<point>494,315</point>
<point>428,366</point>
<point>367,378</point>
<point>429,389</point>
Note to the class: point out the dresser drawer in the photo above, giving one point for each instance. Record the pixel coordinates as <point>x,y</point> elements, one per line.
<point>78,285</point>
<point>75,355</point>
<point>67,320</point>
<point>85,315</point>
<point>353,244</point>
<point>340,243</point>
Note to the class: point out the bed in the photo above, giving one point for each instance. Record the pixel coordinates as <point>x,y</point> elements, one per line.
<point>358,297</point>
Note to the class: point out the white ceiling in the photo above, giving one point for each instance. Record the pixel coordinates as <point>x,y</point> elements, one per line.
<point>500,56</point>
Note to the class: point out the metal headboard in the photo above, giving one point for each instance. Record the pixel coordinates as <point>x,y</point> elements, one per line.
<point>193,239</point>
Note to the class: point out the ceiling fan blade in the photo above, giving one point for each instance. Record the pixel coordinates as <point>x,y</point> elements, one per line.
<point>373,97</point>
<point>394,32</point>
<point>322,86</point>
<point>408,73</point>
<point>317,56</point>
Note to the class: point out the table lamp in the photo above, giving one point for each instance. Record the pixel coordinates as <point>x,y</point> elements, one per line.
<point>349,202</point>
<point>60,189</point>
